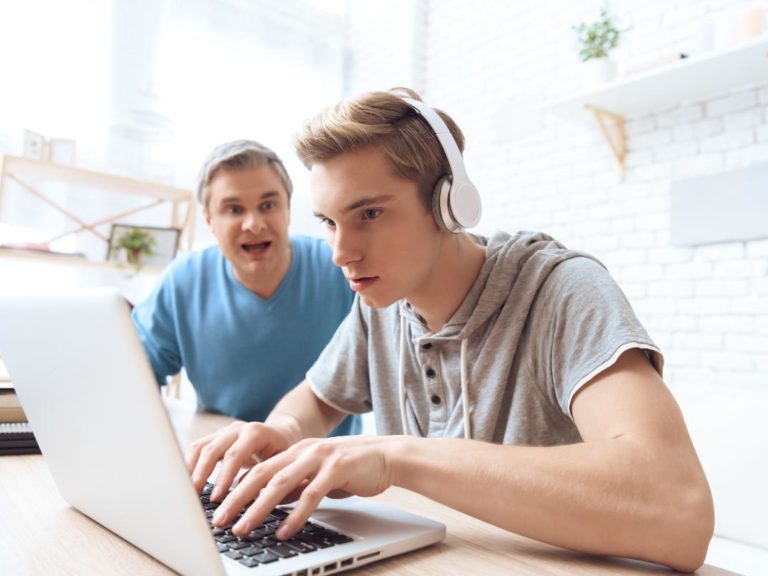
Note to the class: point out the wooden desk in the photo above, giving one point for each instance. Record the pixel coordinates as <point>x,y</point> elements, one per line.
<point>41,534</point>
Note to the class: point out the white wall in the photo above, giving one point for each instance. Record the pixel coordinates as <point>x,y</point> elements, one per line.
<point>707,307</point>
<point>386,42</point>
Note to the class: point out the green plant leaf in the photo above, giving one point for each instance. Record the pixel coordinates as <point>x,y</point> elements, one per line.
<point>597,39</point>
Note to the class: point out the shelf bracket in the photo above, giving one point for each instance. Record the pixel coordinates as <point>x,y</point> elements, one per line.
<point>615,138</point>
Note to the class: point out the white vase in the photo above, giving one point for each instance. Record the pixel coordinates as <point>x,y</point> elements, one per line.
<point>598,71</point>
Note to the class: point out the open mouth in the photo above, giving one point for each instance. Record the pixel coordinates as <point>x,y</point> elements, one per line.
<point>255,247</point>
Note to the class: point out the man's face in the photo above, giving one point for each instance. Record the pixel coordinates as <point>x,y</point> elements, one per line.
<point>382,236</point>
<point>248,213</point>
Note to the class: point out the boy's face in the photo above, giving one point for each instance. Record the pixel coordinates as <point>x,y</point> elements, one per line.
<point>248,213</point>
<point>382,236</point>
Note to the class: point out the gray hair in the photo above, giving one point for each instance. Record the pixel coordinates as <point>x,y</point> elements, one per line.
<point>235,155</point>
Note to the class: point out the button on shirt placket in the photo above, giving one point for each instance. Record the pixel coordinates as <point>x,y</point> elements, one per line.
<point>430,361</point>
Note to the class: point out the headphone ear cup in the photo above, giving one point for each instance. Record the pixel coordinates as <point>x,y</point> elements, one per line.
<point>455,200</point>
<point>441,212</point>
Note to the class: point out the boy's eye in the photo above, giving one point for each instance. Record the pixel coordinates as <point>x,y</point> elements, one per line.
<point>234,209</point>
<point>371,213</point>
<point>327,222</point>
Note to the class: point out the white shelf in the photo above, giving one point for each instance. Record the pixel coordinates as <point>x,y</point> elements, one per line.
<point>68,260</point>
<point>29,174</point>
<point>28,167</point>
<point>688,80</point>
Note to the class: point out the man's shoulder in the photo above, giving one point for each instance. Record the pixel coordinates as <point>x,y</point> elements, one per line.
<point>197,259</point>
<point>313,253</point>
<point>310,246</point>
<point>191,268</point>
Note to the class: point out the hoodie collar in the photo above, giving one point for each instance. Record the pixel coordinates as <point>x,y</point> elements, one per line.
<point>512,261</point>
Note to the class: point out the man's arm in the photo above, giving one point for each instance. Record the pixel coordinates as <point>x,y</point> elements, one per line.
<point>633,488</point>
<point>155,324</point>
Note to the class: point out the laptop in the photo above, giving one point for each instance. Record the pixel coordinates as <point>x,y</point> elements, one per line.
<point>89,392</point>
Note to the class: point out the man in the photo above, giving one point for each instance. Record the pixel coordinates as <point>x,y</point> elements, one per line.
<point>527,350</point>
<point>249,316</point>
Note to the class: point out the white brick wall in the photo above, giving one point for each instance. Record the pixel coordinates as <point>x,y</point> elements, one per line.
<point>708,305</point>
<point>387,46</point>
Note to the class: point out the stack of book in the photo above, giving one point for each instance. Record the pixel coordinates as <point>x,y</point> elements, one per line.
<point>16,436</point>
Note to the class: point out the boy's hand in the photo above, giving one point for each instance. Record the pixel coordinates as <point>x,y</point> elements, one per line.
<point>239,445</point>
<point>309,470</point>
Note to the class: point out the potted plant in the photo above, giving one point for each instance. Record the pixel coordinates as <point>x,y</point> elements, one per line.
<point>596,40</point>
<point>137,243</point>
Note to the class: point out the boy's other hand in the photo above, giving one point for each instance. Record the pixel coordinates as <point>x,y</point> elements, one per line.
<point>238,445</point>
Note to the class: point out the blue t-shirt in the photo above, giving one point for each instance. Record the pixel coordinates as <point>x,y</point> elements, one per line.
<point>243,353</point>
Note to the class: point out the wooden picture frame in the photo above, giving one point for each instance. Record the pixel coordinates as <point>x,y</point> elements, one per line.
<point>61,151</point>
<point>34,145</point>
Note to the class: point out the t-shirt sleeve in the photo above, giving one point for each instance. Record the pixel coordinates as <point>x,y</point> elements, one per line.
<point>591,323</point>
<point>340,375</point>
<point>155,324</point>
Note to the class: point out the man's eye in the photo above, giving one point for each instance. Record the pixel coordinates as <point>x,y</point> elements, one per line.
<point>267,206</point>
<point>327,222</point>
<point>371,214</point>
<point>234,210</point>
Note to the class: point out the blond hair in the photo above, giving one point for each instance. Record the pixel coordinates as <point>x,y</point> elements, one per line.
<point>383,120</point>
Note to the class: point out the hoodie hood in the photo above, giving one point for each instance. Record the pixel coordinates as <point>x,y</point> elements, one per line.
<point>538,323</point>
<point>515,267</point>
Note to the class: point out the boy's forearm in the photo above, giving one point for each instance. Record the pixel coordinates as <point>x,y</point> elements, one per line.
<point>611,499</point>
<point>304,415</point>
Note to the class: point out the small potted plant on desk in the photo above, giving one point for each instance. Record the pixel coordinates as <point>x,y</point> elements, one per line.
<point>596,40</point>
<point>137,244</point>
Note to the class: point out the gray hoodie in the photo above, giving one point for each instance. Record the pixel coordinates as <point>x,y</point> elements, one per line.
<point>539,322</point>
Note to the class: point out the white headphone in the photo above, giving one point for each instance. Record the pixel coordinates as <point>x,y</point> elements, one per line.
<point>456,201</point>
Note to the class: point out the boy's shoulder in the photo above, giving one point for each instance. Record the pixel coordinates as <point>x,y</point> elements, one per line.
<point>579,268</point>
<point>579,274</point>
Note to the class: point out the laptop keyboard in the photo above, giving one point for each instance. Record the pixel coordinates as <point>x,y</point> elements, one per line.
<point>261,546</point>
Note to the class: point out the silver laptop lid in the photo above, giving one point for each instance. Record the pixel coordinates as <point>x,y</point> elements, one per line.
<point>81,374</point>
<point>90,394</point>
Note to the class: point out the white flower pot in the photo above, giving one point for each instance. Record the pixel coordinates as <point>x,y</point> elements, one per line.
<point>598,71</point>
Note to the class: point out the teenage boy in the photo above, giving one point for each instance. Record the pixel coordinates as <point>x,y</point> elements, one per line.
<point>247,317</point>
<point>508,376</point>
